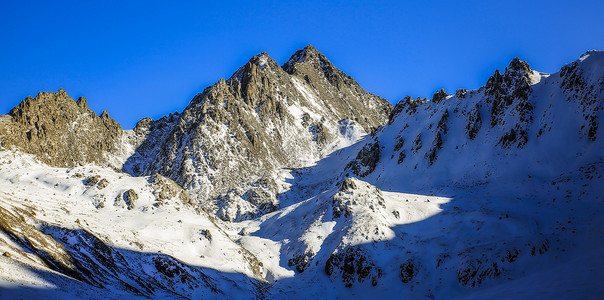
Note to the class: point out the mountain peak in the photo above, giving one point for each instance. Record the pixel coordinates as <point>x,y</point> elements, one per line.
<point>311,49</point>
<point>518,75</point>
<point>261,60</point>
<point>518,66</point>
<point>307,54</point>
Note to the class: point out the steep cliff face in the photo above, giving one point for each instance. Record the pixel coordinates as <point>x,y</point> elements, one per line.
<point>62,132</point>
<point>227,146</point>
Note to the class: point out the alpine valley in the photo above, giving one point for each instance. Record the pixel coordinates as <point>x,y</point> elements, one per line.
<point>292,181</point>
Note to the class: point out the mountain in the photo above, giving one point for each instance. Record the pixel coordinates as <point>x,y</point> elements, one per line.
<point>292,181</point>
<point>229,144</point>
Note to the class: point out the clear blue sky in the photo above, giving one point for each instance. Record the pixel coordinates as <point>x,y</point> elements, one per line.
<point>149,58</point>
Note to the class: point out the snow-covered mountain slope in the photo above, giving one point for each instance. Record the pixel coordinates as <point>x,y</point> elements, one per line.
<point>521,163</point>
<point>507,182</point>
<point>536,125</point>
<point>113,234</point>
<point>491,193</point>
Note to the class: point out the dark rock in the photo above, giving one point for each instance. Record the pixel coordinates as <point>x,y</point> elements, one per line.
<point>401,157</point>
<point>348,184</point>
<point>353,265</point>
<point>439,96</point>
<point>164,189</point>
<point>436,145</point>
<point>207,234</point>
<point>103,183</point>
<point>408,271</point>
<point>474,122</point>
<point>417,143</point>
<point>475,271</point>
<point>93,180</point>
<point>442,123</point>
<point>400,142</point>
<point>260,134</point>
<point>501,90</point>
<point>301,261</point>
<point>62,132</point>
<point>461,93</point>
<point>366,160</point>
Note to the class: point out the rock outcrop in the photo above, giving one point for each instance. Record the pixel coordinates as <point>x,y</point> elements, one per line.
<point>62,132</point>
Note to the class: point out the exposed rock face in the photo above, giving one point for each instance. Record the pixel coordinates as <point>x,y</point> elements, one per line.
<point>514,110</point>
<point>576,86</point>
<point>301,262</point>
<point>440,95</point>
<point>407,104</point>
<point>366,160</point>
<point>228,143</point>
<point>408,271</point>
<point>148,137</point>
<point>461,93</point>
<point>228,147</point>
<point>474,122</point>
<point>506,97</point>
<point>130,197</point>
<point>166,189</point>
<point>62,132</point>
<point>350,100</point>
<point>441,130</point>
<point>502,90</point>
<point>355,195</point>
<point>353,265</point>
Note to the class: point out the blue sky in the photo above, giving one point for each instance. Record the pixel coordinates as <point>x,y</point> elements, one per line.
<point>147,59</point>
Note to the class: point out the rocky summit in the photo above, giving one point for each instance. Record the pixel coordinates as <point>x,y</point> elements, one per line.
<point>292,181</point>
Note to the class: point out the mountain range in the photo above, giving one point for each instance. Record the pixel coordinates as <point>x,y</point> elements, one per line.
<point>293,181</point>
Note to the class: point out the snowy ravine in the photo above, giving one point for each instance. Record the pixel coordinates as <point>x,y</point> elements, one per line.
<point>488,193</point>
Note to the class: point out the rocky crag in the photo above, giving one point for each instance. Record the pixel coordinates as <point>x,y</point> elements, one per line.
<point>62,132</point>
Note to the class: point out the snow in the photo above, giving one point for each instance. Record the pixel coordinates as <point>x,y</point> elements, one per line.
<point>535,77</point>
<point>308,94</point>
<point>263,61</point>
<point>58,197</point>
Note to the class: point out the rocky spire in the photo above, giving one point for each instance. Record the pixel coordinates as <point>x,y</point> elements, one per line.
<point>307,54</point>
<point>503,89</point>
<point>518,66</point>
<point>439,96</point>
